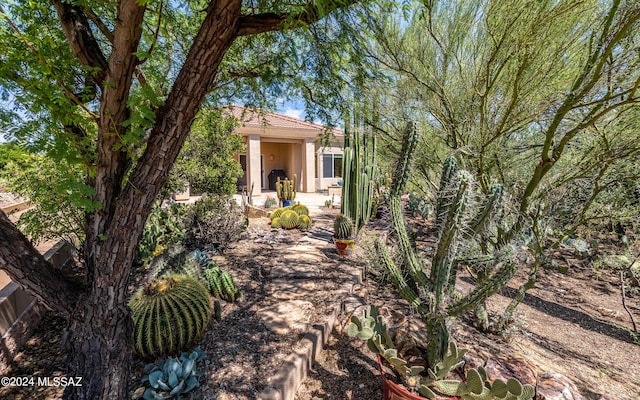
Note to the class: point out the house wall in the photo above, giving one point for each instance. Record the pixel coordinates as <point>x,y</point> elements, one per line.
<point>334,147</point>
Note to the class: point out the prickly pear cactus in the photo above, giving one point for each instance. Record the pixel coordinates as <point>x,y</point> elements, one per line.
<point>169,314</point>
<point>304,222</point>
<point>342,227</point>
<point>289,219</point>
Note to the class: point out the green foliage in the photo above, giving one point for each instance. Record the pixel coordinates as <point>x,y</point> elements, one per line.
<point>163,227</point>
<point>169,314</point>
<point>207,158</point>
<point>214,221</point>
<point>12,152</point>
<point>172,377</point>
<point>419,206</point>
<point>59,197</point>
<point>289,219</point>
<point>342,227</point>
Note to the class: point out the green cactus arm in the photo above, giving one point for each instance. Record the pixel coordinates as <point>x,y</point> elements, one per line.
<point>412,265</point>
<point>487,211</point>
<point>505,272</point>
<point>449,171</point>
<point>410,137</point>
<point>453,222</point>
<point>398,279</point>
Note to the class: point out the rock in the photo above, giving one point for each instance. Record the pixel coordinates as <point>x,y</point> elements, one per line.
<point>287,316</point>
<point>511,367</point>
<point>555,386</point>
<point>254,212</point>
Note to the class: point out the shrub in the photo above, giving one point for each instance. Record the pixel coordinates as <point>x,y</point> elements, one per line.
<point>214,221</point>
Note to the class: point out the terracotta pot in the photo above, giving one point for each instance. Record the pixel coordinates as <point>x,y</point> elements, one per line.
<point>345,247</point>
<point>393,391</point>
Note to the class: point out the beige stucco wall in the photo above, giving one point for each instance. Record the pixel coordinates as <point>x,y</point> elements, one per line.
<point>335,148</point>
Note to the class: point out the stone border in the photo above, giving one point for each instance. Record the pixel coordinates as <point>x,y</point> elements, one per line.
<point>21,311</point>
<point>286,381</point>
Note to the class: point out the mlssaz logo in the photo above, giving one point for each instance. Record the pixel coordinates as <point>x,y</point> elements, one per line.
<point>60,381</point>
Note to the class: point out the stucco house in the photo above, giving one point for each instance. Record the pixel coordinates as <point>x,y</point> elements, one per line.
<point>279,145</point>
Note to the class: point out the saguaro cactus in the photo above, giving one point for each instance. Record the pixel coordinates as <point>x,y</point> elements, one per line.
<point>459,218</point>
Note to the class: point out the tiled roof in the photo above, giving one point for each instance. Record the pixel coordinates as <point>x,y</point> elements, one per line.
<point>257,118</point>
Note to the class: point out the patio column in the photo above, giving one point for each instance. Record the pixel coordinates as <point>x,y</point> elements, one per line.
<point>309,170</point>
<point>253,165</point>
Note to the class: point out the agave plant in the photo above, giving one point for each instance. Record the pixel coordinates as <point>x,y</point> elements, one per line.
<point>173,377</point>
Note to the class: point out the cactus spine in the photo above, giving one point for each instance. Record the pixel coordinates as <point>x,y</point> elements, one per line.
<point>304,222</point>
<point>289,219</point>
<point>276,213</point>
<point>300,209</point>
<point>275,223</point>
<point>342,227</point>
<point>221,284</point>
<point>169,314</point>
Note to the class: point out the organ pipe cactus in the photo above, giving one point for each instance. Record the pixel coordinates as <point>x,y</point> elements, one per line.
<point>462,216</point>
<point>360,174</point>
<point>169,314</point>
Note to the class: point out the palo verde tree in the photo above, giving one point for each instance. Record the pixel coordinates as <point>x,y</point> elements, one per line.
<point>113,87</point>
<point>538,96</point>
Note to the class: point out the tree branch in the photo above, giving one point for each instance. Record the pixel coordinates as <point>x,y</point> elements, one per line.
<point>253,24</point>
<point>81,40</point>
<point>27,267</point>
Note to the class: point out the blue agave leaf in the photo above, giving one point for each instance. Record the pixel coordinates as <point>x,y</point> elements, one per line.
<point>154,378</point>
<point>173,379</point>
<point>177,389</point>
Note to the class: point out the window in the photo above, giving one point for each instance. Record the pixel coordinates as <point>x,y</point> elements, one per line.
<point>332,165</point>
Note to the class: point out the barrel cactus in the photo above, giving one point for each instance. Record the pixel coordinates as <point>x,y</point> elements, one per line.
<point>289,219</point>
<point>275,223</point>
<point>342,227</point>
<point>300,209</point>
<point>169,314</point>
<point>276,213</point>
<point>304,222</point>
<point>221,284</point>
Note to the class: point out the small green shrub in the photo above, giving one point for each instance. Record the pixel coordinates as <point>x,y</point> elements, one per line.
<point>214,221</point>
<point>163,228</point>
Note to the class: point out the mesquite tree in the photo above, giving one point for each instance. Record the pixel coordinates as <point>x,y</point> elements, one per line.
<point>115,86</point>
